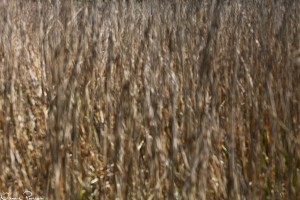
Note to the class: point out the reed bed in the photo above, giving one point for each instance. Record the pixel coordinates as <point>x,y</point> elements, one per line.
<point>150,99</point>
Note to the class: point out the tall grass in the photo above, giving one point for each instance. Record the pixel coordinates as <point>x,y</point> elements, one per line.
<point>150,99</point>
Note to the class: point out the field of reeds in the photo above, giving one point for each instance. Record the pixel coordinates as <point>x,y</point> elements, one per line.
<point>150,99</point>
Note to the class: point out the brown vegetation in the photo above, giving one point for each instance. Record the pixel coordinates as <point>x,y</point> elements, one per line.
<point>150,99</point>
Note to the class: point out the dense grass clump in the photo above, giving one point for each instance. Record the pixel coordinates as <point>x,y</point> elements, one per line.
<point>150,99</point>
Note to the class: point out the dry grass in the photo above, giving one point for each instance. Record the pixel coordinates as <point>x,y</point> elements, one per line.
<point>150,99</point>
